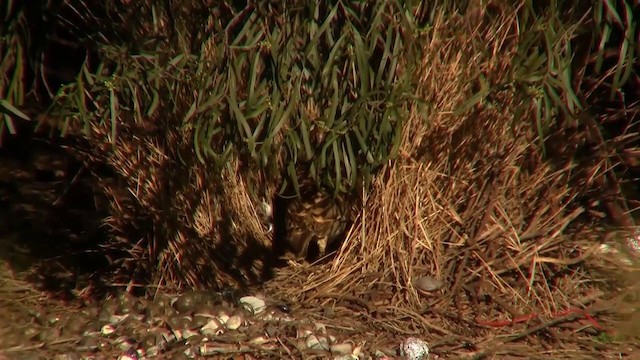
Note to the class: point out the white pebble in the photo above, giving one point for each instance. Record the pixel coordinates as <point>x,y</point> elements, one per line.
<point>317,343</point>
<point>427,283</point>
<point>233,322</point>
<point>414,349</point>
<point>341,349</point>
<point>212,328</point>
<point>253,304</point>
<point>108,329</point>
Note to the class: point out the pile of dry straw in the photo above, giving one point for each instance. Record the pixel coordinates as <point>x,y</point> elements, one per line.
<point>470,203</point>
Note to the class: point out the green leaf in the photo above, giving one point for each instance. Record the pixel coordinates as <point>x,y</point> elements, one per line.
<point>198,141</point>
<point>241,120</point>
<point>335,52</point>
<point>154,102</point>
<point>572,99</point>
<point>291,170</point>
<point>87,74</point>
<point>304,133</point>
<point>362,60</point>
<point>386,55</point>
<point>333,102</point>
<point>350,159</point>
<point>325,25</point>
<point>336,164</point>
<point>551,90</point>
<point>623,68</point>
<point>176,60</point>
<point>253,74</point>
<point>248,24</point>
<point>8,121</point>
<point>257,110</point>
<point>612,13</point>
<point>391,75</point>
<point>190,112</point>
<point>8,107</point>
<point>113,108</point>
<point>606,32</point>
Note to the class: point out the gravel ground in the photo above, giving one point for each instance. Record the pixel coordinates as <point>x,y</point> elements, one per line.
<point>192,325</point>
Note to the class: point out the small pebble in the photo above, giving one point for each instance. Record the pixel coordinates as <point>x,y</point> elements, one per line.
<point>124,343</point>
<point>212,328</point>
<point>31,331</point>
<point>314,342</point>
<point>341,349</point>
<point>258,340</point>
<point>234,322</point>
<point>253,304</point>
<point>414,349</point>
<point>427,283</point>
<point>108,329</point>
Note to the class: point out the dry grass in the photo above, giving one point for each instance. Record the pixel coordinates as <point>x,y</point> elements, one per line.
<point>470,202</point>
<point>195,228</point>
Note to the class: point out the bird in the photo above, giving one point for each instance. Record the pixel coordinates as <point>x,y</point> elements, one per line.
<point>310,223</point>
<point>319,220</point>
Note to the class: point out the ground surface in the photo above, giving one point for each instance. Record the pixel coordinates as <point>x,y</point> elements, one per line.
<point>192,325</point>
<point>47,310</point>
<point>210,325</point>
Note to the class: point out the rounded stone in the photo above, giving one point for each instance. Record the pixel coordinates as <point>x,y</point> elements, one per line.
<point>427,283</point>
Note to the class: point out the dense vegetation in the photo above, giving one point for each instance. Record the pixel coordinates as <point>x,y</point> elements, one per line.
<point>476,138</point>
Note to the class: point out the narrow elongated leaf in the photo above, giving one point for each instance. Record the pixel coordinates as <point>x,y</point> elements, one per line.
<point>212,102</point>
<point>87,74</point>
<point>113,109</point>
<point>252,42</point>
<point>623,68</point>
<point>336,51</point>
<point>395,144</point>
<point>241,120</point>
<point>253,74</point>
<point>176,60</point>
<point>363,146</point>
<point>611,12</point>
<point>9,108</point>
<point>258,109</point>
<point>572,99</point>
<point>551,90</point>
<point>8,122</point>
<point>154,103</point>
<point>337,164</point>
<point>333,104</point>
<point>386,55</point>
<point>305,134</point>
<point>362,60</point>
<point>190,112</point>
<point>291,170</point>
<point>238,19</point>
<point>604,38</point>
<point>325,25</point>
<point>198,141</point>
<point>351,159</point>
